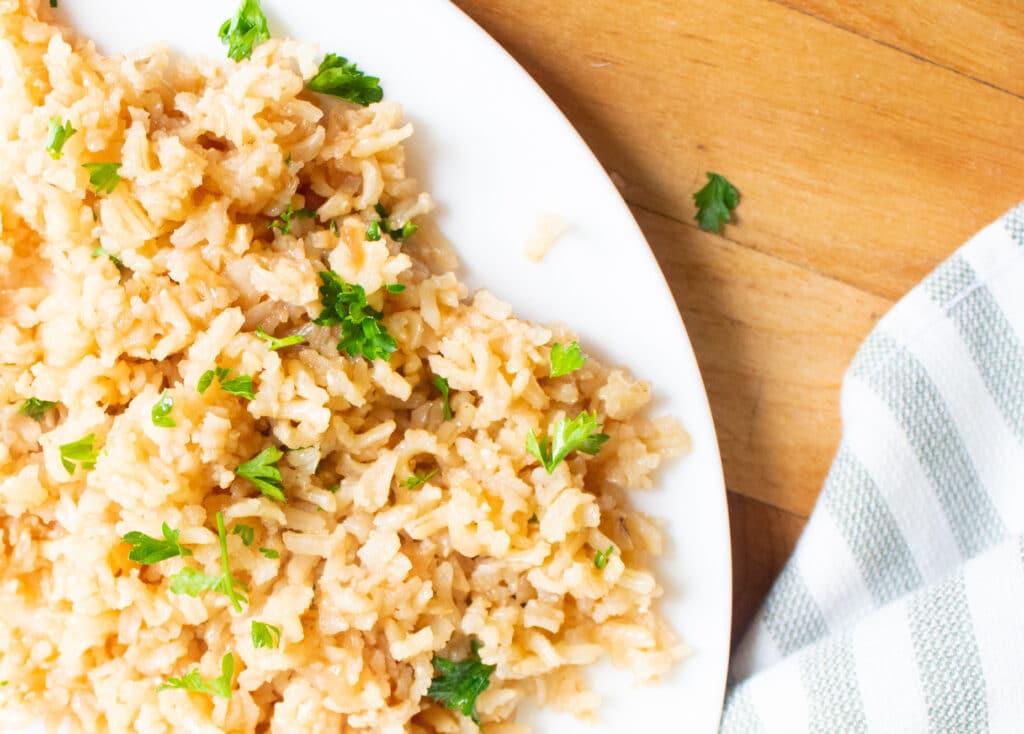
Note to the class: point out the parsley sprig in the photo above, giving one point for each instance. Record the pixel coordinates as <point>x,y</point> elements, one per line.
<point>193,582</point>
<point>193,681</point>
<point>715,203</point>
<point>58,134</point>
<point>457,685</point>
<point>240,385</point>
<point>566,359</point>
<point>147,549</point>
<point>265,635</point>
<point>276,343</point>
<point>80,451</point>
<point>340,78</point>
<point>246,30</point>
<point>262,471</point>
<point>35,408</point>
<point>579,434</point>
<point>362,332</point>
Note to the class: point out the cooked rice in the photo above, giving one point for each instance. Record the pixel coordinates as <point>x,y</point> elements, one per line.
<point>373,580</point>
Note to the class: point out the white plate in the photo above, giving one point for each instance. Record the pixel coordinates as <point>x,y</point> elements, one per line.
<point>496,154</point>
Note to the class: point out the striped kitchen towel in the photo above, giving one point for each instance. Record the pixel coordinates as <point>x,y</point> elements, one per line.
<point>902,608</point>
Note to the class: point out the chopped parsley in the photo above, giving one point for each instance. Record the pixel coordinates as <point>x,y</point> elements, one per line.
<point>601,558</point>
<point>101,250</point>
<point>161,413</point>
<point>373,230</point>
<point>362,333</point>
<point>146,549</point>
<point>398,234</point>
<point>339,78</point>
<point>579,434</point>
<point>395,288</point>
<point>270,553</point>
<point>245,532</point>
<point>245,31</point>
<point>193,582</point>
<point>458,684</point>
<point>275,343</point>
<point>35,408</point>
<point>241,385</point>
<point>103,177</point>
<point>334,228</point>
<point>265,635</point>
<point>193,681</point>
<point>415,481</point>
<point>58,135</point>
<point>442,386</point>
<point>80,451</point>
<point>262,471</point>
<point>566,359</point>
<point>283,223</point>
<point>53,4</point>
<point>715,203</point>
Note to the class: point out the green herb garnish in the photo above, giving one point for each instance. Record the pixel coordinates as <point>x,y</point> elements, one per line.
<point>241,385</point>
<point>338,78</point>
<point>193,681</point>
<point>373,231</point>
<point>283,223</point>
<point>161,413</point>
<point>265,635</point>
<point>270,553</point>
<point>566,359</point>
<point>58,135</point>
<point>458,684</point>
<point>415,481</point>
<point>245,31</point>
<point>579,434</point>
<point>80,451</point>
<point>103,177</point>
<point>262,471</point>
<point>715,203</point>
<point>101,250</point>
<point>193,582</point>
<point>601,558</point>
<point>146,549</point>
<point>398,234</point>
<point>245,532</point>
<point>395,288</point>
<point>276,343</point>
<point>35,408</point>
<point>442,386</point>
<point>362,332</point>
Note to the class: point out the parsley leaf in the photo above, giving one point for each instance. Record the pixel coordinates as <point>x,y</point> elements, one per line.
<point>265,635</point>
<point>362,333</point>
<point>404,232</point>
<point>245,31</point>
<point>276,343</point>
<point>262,471</point>
<point>57,136</point>
<point>161,413</point>
<point>283,223</point>
<point>146,549</point>
<point>394,288</point>
<point>245,532</point>
<point>270,553</point>
<point>601,558</point>
<point>373,231</point>
<point>715,202</point>
<point>80,451</point>
<point>415,481</point>
<point>338,78</point>
<point>442,386</point>
<point>240,385</point>
<point>458,684</point>
<point>193,582</point>
<point>35,408</point>
<point>566,359</point>
<point>578,434</point>
<point>103,177</point>
<point>193,681</point>
<point>101,250</point>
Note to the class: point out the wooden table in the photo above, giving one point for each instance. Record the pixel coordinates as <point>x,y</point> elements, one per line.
<point>867,145</point>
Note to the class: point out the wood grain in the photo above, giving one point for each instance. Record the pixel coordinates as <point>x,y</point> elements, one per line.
<point>868,141</point>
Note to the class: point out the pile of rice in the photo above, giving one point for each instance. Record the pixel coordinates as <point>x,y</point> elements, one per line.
<point>373,580</point>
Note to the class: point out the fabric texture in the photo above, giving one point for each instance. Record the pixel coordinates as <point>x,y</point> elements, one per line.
<point>902,608</point>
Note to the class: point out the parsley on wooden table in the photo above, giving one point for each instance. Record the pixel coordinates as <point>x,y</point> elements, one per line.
<point>715,203</point>
<point>340,78</point>
<point>265,635</point>
<point>362,332</point>
<point>193,681</point>
<point>276,343</point>
<point>80,451</point>
<point>566,359</point>
<point>457,685</point>
<point>262,471</point>
<point>35,408</point>
<point>193,582</point>
<point>147,549</point>
<point>245,30</point>
<point>442,387</point>
<point>103,177</point>
<point>58,134</point>
<point>240,385</point>
<point>582,433</point>
<point>161,413</point>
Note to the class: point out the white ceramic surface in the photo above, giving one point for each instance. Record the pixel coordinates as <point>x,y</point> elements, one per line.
<point>496,154</point>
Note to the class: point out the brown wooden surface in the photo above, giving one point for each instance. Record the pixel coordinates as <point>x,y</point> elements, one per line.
<point>868,140</point>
